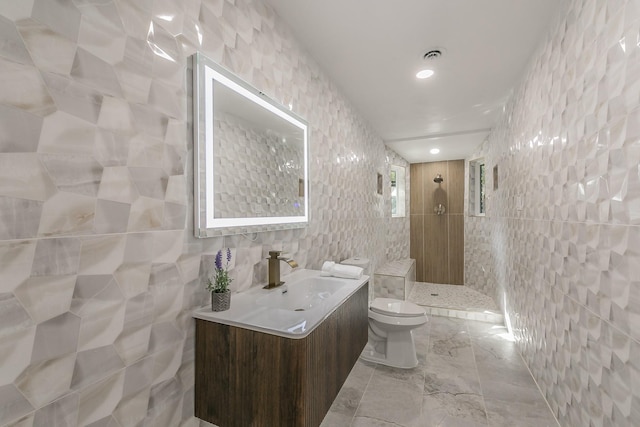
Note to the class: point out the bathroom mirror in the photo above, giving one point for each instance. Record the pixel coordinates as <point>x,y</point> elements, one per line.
<point>250,157</point>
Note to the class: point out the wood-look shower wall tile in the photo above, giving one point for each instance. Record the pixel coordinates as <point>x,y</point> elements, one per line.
<point>456,249</point>
<point>437,241</point>
<point>434,193</point>
<point>436,257</point>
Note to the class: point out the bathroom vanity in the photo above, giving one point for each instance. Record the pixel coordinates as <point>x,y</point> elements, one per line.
<point>277,361</point>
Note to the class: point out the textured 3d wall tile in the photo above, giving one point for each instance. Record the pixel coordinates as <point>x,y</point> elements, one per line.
<point>564,261</point>
<point>99,268</point>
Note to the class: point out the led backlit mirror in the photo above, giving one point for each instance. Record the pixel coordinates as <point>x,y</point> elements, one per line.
<point>251,157</point>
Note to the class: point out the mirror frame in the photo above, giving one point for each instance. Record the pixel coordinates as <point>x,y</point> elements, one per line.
<point>205,73</point>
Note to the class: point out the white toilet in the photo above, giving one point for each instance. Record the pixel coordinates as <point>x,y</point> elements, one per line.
<point>391,325</point>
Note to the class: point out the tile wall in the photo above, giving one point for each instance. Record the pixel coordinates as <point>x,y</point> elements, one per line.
<point>561,238</point>
<point>437,240</point>
<point>478,265</point>
<point>99,270</point>
<point>397,229</point>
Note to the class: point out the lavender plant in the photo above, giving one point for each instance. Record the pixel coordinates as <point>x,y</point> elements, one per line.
<point>219,281</point>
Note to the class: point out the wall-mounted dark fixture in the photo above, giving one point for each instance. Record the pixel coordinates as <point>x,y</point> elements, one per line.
<point>438,179</point>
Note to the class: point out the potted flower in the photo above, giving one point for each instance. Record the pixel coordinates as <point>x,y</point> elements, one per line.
<point>218,284</point>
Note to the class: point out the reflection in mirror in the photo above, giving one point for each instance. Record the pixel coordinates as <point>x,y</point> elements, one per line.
<point>251,155</point>
<point>397,191</point>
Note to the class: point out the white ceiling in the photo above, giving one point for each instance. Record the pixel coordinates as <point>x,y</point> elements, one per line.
<point>372,50</point>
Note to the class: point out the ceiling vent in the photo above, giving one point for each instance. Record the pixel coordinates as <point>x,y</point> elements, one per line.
<point>432,54</point>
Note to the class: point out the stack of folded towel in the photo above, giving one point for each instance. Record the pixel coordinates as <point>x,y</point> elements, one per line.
<point>330,268</point>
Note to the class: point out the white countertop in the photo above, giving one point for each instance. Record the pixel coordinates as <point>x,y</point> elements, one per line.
<point>249,311</point>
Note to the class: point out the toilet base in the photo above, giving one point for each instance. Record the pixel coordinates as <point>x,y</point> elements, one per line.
<point>371,355</point>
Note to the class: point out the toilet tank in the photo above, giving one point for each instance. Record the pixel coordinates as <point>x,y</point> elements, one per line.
<point>359,262</point>
<point>365,264</point>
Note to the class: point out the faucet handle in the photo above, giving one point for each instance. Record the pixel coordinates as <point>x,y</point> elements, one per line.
<point>274,254</point>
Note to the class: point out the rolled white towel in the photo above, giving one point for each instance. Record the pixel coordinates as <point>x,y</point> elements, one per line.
<point>327,266</point>
<point>330,268</point>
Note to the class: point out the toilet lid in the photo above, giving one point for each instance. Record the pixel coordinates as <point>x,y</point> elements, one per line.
<point>396,307</point>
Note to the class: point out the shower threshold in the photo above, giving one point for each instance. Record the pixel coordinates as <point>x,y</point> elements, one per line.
<point>455,301</point>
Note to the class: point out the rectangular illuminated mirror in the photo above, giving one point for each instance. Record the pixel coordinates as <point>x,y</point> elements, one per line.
<point>250,157</point>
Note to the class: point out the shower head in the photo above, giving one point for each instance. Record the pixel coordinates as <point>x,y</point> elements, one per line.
<point>438,179</point>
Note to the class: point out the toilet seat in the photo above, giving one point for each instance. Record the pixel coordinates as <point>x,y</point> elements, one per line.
<point>396,308</point>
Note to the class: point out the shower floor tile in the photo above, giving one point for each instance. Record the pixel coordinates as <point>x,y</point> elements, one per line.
<point>455,301</point>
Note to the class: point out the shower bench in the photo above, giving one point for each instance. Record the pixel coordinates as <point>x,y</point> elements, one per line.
<point>395,279</point>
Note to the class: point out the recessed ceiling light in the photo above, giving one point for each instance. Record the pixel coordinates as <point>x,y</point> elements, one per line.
<point>424,74</point>
<point>434,150</point>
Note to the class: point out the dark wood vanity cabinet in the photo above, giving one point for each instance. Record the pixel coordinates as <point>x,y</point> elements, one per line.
<point>245,378</point>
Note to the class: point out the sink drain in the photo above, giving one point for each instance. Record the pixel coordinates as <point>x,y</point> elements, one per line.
<point>299,309</point>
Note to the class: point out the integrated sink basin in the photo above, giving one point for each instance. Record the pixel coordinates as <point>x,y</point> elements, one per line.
<point>292,310</point>
<point>305,294</point>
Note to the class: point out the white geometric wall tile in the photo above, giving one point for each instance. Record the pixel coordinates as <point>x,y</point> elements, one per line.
<point>99,302</point>
<point>16,259</point>
<point>63,19</point>
<point>25,177</point>
<point>95,73</point>
<point>20,130</point>
<point>64,133</point>
<point>133,278</point>
<point>102,255</point>
<point>133,342</point>
<point>97,148</point>
<point>98,400</point>
<point>94,365</point>
<point>46,297</point>
<point>97,33</point>
<point>14,78</point>
<point>13,48</point>
<point>13,348</point>
<point>19,218</point>
<point>67,213</point>
<point>51,52</point>
<point>74,98</point>
<point>111,217</point>
<point>132,408</point>
<point>146,214</point>
<point>567,144</point>
<point>46,381</point>
<point>117,185</point>
<point>62,412</point>
<point>138,377</point>
<point>14,404</point>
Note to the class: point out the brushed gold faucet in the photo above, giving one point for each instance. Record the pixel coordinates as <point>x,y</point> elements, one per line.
<point>274,269</point>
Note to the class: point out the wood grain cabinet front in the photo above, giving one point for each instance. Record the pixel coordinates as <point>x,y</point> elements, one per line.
<point>245,378</point>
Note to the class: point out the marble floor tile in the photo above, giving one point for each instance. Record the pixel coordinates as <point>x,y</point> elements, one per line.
<point>443,408</point>
<point>405,395</point>
<point>469,374</point>
<point>511,413</point>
